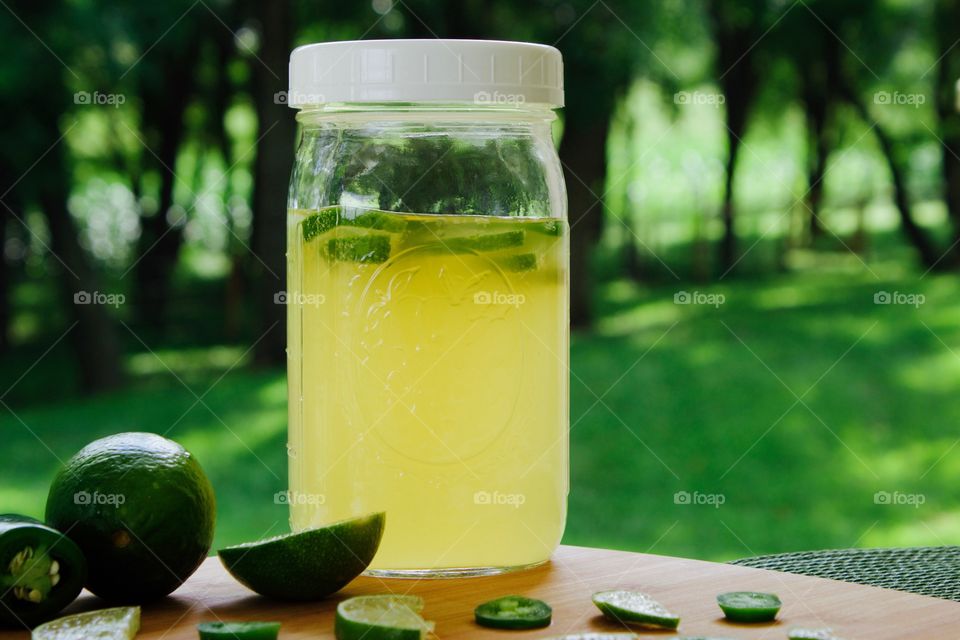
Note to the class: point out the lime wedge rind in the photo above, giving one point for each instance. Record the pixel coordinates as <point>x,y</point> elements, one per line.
<point>308,565</point>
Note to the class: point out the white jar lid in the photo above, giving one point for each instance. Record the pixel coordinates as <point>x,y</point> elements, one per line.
<point>476,71</point>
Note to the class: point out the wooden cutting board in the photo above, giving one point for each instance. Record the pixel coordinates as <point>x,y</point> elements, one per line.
<point>687,587</point>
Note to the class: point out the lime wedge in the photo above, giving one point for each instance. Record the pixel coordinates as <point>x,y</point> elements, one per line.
<point>634,607</point>
<point>749,606</point>
<point>318,223</point>
<point>120,623</point>
<point>309,565</point>
<point>385,617</point>
<point>372,249</point>
<point>239,630</point>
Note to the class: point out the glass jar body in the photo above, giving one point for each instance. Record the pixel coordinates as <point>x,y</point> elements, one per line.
<point>428,331</point>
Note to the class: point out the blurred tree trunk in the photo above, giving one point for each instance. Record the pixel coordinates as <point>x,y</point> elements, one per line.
<point>819,85</point>
<point>276,132</point>
<point>94,338</point>
<point>947,16</point>
<point>36,102</point>
<point>158,248</point>
<point>237,284</point>
<point>10,199</point>
<point>735,36</point>
<point>821,152</point>
<point>583,151</point>
<point>926,251</point>
<point>4,279</point>
<point>918,238</point>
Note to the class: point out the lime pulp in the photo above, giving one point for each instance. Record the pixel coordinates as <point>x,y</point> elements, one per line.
<point>634,607</point>
<point>120,623</point>
<point>382,617</point>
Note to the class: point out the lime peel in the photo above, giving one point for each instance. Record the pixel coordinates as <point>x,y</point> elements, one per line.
<point>308,565</point>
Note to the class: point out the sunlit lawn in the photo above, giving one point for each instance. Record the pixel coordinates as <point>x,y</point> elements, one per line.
<point>792,403</point>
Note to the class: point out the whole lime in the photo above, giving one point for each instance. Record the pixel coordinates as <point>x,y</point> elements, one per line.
<point>142,511</point>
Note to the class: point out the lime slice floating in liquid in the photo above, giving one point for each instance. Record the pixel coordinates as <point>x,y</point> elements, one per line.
<point>318,223</point>
<point>372,249</point>
<point>485,241</point>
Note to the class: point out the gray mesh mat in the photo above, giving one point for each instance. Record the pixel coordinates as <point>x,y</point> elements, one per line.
<point>928,571</point>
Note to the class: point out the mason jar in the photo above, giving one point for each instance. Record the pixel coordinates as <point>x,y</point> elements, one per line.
<point>428,316</point>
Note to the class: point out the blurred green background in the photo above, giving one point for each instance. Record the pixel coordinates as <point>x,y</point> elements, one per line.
<point>765,200</point>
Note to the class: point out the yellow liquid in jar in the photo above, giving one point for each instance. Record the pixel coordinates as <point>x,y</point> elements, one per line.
<point>428,373</point>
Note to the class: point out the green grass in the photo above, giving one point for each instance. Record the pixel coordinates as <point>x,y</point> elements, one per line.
<point>691,398</point>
